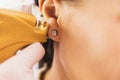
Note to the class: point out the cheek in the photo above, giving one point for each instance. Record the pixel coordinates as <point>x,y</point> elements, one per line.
<point>90,43</point>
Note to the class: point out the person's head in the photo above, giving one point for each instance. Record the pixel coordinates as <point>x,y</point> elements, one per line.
<point>87,46</point>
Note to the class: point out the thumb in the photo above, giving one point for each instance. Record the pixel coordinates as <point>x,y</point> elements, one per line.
<point>28,56</point>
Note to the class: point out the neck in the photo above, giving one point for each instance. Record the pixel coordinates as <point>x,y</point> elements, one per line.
<point>57,71</point>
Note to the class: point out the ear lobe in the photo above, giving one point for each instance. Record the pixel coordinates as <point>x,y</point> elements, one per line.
<point>54,32</point>
<point>49,12</point>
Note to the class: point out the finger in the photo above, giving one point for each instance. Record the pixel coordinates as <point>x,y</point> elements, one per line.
<point>29,56</point>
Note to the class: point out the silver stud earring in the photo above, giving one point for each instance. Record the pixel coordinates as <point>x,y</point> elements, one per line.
<point>54,33</point>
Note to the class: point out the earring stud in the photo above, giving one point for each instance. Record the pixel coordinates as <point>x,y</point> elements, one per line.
<point>54,33</point>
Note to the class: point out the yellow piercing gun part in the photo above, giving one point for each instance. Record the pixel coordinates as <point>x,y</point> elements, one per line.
<point>18,30</point>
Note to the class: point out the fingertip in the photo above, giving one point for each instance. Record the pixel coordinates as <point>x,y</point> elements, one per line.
<point>32,54</point>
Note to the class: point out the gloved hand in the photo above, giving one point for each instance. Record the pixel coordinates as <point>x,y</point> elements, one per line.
<point>19,67</point>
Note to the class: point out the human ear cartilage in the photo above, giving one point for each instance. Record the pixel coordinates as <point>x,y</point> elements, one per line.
<point>18,30</point>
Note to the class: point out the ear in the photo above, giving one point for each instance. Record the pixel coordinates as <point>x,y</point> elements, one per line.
<point>49,11</point>
<point>49,8</point>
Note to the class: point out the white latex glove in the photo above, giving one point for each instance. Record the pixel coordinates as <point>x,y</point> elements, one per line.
<point>20,66</point>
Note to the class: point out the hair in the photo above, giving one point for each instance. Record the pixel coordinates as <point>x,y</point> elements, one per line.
<point>36,2</point>
<point>48,58</point>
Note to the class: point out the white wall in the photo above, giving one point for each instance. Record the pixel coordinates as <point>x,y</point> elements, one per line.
<point>13,4</point>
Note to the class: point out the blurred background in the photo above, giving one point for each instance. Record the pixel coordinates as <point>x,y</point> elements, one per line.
<point>27,6</point>
<point>14,4</point>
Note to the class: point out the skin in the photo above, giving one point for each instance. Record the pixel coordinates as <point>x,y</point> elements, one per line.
<point>87,46</point>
